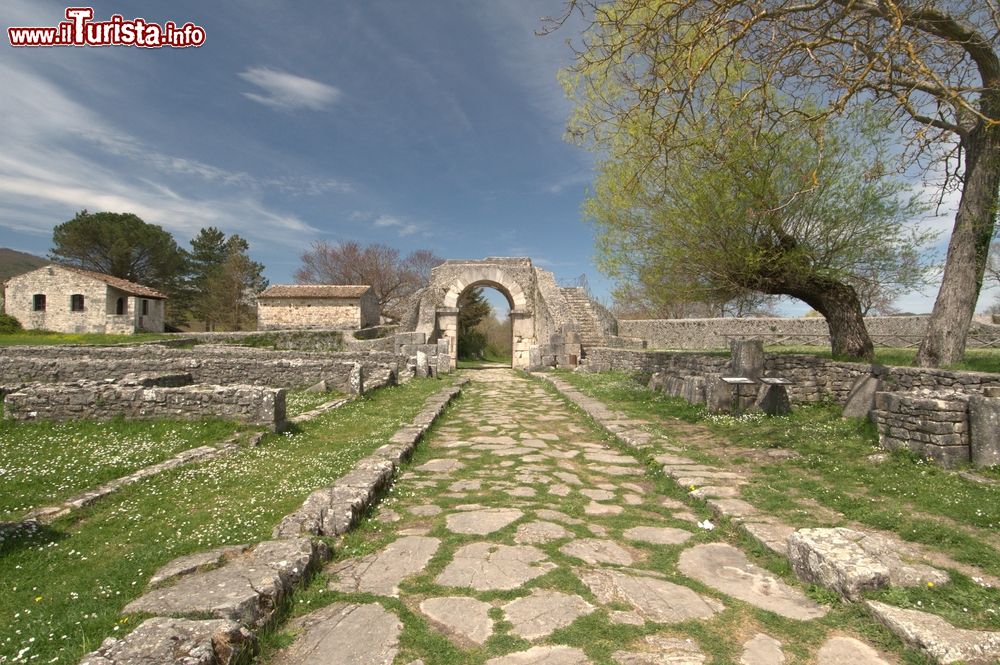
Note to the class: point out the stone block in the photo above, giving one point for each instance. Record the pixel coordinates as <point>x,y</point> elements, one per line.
<point>861,399</point>
<point>162,640</point>
<point>747,358</point>
<point>773,400</point>
<point>984,430</point>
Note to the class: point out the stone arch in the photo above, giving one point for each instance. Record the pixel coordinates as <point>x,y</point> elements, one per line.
<point>513,277</point>
<point>497,279</point>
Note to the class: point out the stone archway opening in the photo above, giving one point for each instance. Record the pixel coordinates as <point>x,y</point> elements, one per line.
<point>485,336</point>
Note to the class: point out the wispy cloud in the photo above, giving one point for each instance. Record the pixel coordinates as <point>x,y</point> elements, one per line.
<point>404,228</point>
<point>574,182</point>
<point>288,91</point>
<point>45,175</point>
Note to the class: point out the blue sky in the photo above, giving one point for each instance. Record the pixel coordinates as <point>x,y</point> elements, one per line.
<point>433,124</point>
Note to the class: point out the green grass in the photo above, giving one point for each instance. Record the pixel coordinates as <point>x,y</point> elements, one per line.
<point>917,500</point>
<point>43,463</point>
<point>39,337</point>
<point>64,586</point>
<point>300,401</point>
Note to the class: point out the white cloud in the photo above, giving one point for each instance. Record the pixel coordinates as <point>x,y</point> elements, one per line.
<point>288,91</point>
<point>404,228</point>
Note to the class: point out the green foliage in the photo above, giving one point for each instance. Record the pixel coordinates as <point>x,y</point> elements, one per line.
<point>121,245</point>
<point>9,325</point>
<point>224,280</point>
<point>473,308</point>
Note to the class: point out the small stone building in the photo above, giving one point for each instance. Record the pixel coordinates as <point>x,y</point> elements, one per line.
<point>72,300</point>
<point>296,306</point>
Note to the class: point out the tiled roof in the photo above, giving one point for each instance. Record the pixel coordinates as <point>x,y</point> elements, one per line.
<point>128,287</point>
<point>314,291</point>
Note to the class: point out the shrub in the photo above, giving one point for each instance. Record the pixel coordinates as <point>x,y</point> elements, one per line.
<point>9,325</point>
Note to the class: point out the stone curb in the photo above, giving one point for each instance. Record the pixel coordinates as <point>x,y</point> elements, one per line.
<point>245,593</point>
<point>334,510</point>
<point>925,632</point>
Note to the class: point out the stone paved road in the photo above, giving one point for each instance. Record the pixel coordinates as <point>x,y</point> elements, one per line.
<point>519,536</point>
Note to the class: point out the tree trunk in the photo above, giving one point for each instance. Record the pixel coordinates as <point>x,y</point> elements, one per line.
<point>968,250</point>
<point>839,305</point>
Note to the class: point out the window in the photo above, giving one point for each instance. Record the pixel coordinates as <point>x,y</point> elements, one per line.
<point>39,302</point>
<point>145,307</point>
<point>76,302</point>
<point>120,307</point>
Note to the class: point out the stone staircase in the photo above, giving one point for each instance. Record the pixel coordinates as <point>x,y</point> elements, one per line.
<point>584,315</point>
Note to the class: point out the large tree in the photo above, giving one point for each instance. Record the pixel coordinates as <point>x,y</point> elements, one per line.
<point>393,278</point>
<point>784,210</point>
<point>121,245</point>
<point>930,64</point>
<point>224,280</point>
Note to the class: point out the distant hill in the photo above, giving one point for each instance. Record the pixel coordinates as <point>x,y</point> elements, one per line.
<point>13,262</point>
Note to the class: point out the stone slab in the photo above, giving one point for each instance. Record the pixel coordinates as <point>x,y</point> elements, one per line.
<point>661,650</point>
<point>182,641</point>
<point>487,566</point>
<point>763,649</point>
<point>839,650</point>
<point>654,599</point>
<point>464,617</point>
<point>246,589</point>
<point>482,522</point>
<point>595,550</point>
<point>533,533</point>
<point>344,634</point>
<point>726,569</point>
<point>544,612</point>
<point>381,572</point>
<point>936,637</point>
<point>656,535</point>
<point>549,655</point>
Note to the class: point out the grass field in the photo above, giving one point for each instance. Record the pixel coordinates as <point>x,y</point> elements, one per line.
<point>39,337</point>
<point>64,585</point>
<point>43,463</point>
<point>832,482</point>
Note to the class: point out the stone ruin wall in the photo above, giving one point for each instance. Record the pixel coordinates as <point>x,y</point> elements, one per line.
<point>926,423</point>
<point>816,379</point>
<point>951,417</point>
<point>681,334</point>
<point>104,400</point>
<point>218,365</point>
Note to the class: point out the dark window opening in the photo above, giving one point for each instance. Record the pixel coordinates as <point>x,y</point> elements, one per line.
<point>39,302</point>
<point>120,307</point>
<point>76,302</point>
<point>145,307</point>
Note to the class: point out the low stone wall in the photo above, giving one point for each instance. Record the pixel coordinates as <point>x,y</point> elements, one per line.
<point>206,363</point>
<point>716,333</point>
<point>932,425</point>
<point>282,340</point>
<point>815,379</point>
<point>103,400</point>
<point>605,359</point>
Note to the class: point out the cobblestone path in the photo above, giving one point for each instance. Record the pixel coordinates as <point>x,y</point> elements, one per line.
<point>520,535</point>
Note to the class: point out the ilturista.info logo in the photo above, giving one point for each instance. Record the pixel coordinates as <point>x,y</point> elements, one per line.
<point>80,29</point>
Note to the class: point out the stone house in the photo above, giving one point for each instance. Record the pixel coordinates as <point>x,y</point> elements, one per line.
<point>327,306</point>
<point>72,300</point>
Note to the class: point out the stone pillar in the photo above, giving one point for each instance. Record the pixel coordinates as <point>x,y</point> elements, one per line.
<point>747,358</point>
<point>984,428</point>
<point>523,328</point>
<point>447,324</point>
